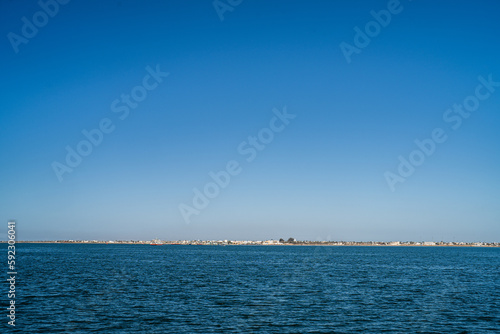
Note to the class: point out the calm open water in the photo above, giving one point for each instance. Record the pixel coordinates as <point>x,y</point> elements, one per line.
<point>256,289</point>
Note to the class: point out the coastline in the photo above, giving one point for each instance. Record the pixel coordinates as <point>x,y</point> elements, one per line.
<point>267,243</point>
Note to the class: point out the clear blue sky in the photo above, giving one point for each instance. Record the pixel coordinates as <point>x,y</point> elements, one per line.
<point>321,178</point>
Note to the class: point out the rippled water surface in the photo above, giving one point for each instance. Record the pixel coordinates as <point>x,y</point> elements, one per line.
<point>256,289</point>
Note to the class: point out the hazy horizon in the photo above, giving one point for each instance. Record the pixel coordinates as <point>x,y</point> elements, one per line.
<point>179,120</point>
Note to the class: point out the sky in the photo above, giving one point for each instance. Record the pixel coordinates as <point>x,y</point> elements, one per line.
<point>306,113</point>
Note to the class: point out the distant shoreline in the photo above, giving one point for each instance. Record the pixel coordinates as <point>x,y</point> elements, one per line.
<point>266,243</point>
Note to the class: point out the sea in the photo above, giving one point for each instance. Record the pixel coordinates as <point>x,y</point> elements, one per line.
<point>113,288</point>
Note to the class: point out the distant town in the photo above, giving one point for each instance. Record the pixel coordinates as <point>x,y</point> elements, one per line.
<point>273,242</point>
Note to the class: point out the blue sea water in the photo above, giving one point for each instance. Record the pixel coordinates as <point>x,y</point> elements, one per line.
<point>73,288</point>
